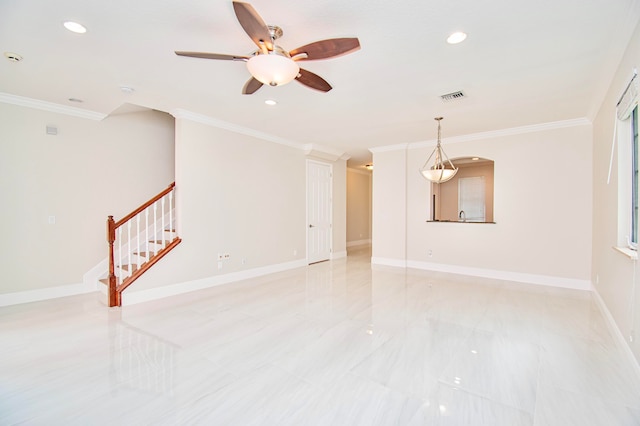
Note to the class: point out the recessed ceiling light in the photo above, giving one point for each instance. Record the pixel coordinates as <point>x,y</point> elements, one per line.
<point>75,27</point>
<point>76,100</point>
<point>270,102</point>
<point>126,89</point>
<point>456,38</point>
<point>13,57</point>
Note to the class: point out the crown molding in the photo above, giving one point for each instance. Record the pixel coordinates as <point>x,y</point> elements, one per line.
<point>310,149</point>
<point>50,106</point>
<point>487,135</point>
<point>214,122</point>
<point>358,171</point>
<point>324,152</point>
<point>396,147</point>
<point>506,132</point>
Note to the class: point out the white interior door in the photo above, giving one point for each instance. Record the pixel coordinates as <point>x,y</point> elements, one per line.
<point>319,179</point>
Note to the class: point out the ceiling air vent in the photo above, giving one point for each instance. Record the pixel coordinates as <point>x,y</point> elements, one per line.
<point>454,96</point>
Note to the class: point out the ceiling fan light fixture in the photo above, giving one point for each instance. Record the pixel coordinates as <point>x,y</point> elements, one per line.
<point>273,69</point>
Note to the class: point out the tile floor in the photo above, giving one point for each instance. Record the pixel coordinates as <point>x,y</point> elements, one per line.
<point>336,343</point>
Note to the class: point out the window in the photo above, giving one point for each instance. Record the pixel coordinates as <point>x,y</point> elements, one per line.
<point>633,238</point>
<point>626,135</point>
<point>471,199</point>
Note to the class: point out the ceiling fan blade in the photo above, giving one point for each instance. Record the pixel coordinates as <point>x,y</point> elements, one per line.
<point>313,81</point>
<point>204,55</point>
<point>251,86</point>
<point>253,24</point>
<point>324,49</point>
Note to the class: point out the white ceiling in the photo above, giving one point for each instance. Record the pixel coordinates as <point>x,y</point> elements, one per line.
<point>524,62</point>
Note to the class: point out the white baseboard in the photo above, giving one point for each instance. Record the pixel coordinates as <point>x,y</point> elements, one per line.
<point>546,280</point>
<point>29,296</point>
<point>338,255</point>
<point>133,297</point>
<point>358,243</point>
<point>616,332</point>
<point>399,263</point>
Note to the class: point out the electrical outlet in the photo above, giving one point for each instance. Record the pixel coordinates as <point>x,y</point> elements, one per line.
<point>219,265</point>
<point>244,261</point>
<point>430,253</point>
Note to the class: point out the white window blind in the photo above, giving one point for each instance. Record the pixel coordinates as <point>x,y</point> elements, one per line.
<point>471,198</point>
<point>628,100</point>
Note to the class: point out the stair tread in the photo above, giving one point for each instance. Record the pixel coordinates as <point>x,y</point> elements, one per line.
<point>166,241</point>
<point>126,267</point>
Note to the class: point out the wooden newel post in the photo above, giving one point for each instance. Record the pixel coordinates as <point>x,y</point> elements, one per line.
<point>111,238</point>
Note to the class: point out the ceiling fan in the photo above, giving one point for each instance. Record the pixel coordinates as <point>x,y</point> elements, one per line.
<point>271,64</point>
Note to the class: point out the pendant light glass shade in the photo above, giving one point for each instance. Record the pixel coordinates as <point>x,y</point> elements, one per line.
<point>273,69</point>
<point>442,169</point>
<point>438,175</point>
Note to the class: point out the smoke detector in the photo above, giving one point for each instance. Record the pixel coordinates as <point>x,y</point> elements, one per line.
<point>453,96</point>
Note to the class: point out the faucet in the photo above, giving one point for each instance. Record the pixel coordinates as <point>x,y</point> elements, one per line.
<point>462,216</point>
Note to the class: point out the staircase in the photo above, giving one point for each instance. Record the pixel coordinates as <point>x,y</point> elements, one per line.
<point>138,241</point>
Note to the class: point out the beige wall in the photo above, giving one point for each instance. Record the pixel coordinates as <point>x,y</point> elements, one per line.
<point>543,220</point>
<point>613,273</point>
<point>90,170</point>
<point>358,206</point>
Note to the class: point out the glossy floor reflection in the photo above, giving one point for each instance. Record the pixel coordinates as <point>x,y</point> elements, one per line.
<point>336,343</point>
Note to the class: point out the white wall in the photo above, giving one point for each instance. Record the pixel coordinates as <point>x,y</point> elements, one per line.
<point>240,195</point>
<point>542,210</point>
<point>613,273</point>
<point>358,207</point>
<point>90,170</point>
<point>389,207</point>
<point>339,204</point>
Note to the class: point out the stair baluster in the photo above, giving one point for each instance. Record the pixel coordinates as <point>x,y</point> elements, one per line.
<point>120,275</point>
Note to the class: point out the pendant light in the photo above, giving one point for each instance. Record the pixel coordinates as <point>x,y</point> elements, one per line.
<point>442,168</point>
